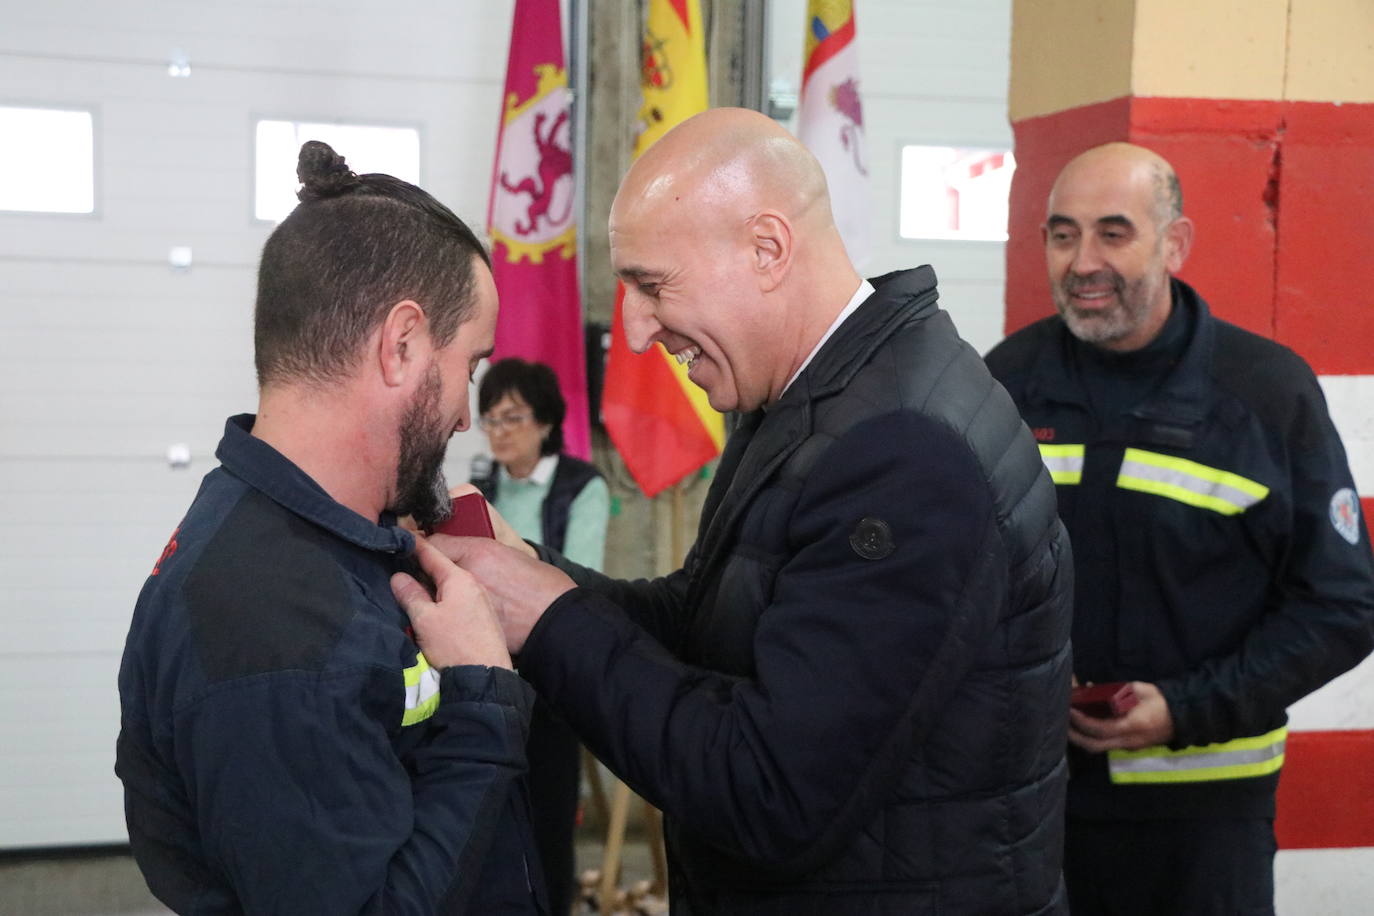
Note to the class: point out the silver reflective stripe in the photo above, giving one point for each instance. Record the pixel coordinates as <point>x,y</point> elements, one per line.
<point>422,690</point>
<point>1064,462</point>
<point>1188,482</point>
<point>1242,758</point>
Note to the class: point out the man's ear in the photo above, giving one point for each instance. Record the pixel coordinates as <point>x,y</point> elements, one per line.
<point>770,237</point>
<point>403,344</point>
<point>1178,241</point>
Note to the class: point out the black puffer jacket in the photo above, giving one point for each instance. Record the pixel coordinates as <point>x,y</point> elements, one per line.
<point>853,697</point>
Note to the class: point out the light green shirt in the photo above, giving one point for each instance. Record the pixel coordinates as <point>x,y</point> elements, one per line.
<point>521,502</point>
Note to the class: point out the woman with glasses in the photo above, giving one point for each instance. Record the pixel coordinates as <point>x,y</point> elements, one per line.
<point>563,503</point>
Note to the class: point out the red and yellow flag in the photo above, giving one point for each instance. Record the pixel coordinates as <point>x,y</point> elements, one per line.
<point>660,422</point>
<point>830,118</point>
<point>530,215</point>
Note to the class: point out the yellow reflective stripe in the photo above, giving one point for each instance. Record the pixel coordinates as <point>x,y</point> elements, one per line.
<point>1188,482</point>
<point>421,690</point>
<point>412,674</point>
<point>1242,758</point>
<point>1064,462</point>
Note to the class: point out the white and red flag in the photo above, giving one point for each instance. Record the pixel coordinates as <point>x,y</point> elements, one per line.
<point>530,215</point>
<point>830,118</point>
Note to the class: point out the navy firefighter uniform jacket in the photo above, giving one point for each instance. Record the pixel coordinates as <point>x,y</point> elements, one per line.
<point>1219,554</point>
<point>284,746</point>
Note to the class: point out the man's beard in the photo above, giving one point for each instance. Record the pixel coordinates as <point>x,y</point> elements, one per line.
<point>1108,325</point>
<point>421,491</point>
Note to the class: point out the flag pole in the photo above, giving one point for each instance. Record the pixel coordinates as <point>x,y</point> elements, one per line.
<point>578,83</point>
<point>679,522</point>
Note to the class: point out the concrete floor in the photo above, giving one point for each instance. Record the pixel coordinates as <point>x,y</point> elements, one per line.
<point>106,882</point>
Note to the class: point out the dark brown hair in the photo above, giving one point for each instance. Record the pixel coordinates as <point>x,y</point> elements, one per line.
<point>354,247</point>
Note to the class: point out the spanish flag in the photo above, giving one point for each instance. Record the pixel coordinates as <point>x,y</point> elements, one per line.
<point>660,422</point>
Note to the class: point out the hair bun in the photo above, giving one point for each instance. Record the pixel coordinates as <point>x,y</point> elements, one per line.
<point>322,172</point>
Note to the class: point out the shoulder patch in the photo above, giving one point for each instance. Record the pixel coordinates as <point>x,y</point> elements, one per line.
<point>1345,514</point>
<point>872,538</point>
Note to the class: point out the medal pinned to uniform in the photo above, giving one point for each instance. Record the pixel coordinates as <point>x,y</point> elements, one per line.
<point>872,538</point>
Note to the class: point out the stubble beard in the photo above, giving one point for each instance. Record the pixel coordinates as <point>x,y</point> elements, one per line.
<point>1103,327</point>
<point>421,491</point>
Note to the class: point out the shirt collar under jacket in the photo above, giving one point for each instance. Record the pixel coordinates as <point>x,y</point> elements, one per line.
<point>265,469</point>
<point>863,292</point>
<point>541,475</point>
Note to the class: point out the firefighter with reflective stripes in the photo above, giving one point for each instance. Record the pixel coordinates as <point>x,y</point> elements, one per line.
<point>304,728</point>
<point>1222,567</point>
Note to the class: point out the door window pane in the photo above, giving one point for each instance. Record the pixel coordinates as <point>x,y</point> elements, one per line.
<point>47,160</point>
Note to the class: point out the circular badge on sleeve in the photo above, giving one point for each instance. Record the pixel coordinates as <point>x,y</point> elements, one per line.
<point>872,538</point>
<point>1345,514</point>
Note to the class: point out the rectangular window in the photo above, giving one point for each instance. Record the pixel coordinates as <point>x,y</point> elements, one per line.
<point>47,160</point>
<point>392,150</point>
<point>955,193</point>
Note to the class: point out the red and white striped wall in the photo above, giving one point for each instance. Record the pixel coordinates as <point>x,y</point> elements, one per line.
<point>1266,110</point>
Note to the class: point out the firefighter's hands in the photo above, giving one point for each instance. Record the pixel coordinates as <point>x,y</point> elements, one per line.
<point>1147,724</point>
<point>521,588</point>
<point>459,626</point>
<point>499,526</point>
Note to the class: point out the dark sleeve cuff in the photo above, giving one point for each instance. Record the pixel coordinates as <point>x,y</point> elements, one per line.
<point>1185,725</point>
<point>480,684</point>
<point>546,554</point>
<point>539,634</point>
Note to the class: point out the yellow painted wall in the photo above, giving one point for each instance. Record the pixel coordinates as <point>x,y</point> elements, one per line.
<point>1211,49</point>
<point>1067,53</point>
<point>1070,53</point>
<point>1331,51</point>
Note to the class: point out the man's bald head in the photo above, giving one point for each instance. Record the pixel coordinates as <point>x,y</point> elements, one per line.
<point>726,162</point>
<point>723,236</point>
<point>1114,233</point>
<point>1128,163</point>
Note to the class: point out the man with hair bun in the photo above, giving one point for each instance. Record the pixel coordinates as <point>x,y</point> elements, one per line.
<point>305,728</point>
<point>1222,568</point>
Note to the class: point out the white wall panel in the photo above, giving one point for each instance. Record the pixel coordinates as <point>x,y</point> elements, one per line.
<point>1323,882</point>
<point>932,73</point>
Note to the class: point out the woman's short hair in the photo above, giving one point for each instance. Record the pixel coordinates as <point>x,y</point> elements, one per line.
<point>537,385</point>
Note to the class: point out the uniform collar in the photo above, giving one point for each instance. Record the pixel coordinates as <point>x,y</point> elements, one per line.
<point>265,469</point>
<point>1181,396</point>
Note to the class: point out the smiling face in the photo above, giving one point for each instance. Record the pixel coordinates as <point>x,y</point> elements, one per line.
<point>440,407</point>
<point>689,286</point>
<point>1111,244</point>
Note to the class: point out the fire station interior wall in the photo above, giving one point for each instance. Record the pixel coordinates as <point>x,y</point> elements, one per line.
<point>932,73</point>
<point>108,356</point>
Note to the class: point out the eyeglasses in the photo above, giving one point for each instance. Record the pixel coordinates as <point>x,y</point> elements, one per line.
<point>508,421</point>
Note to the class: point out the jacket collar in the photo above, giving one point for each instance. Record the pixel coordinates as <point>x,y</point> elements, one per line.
<point>900,297</point>
<point>766,437</point>
<point>265,469</point>
<point>1181,396</point>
